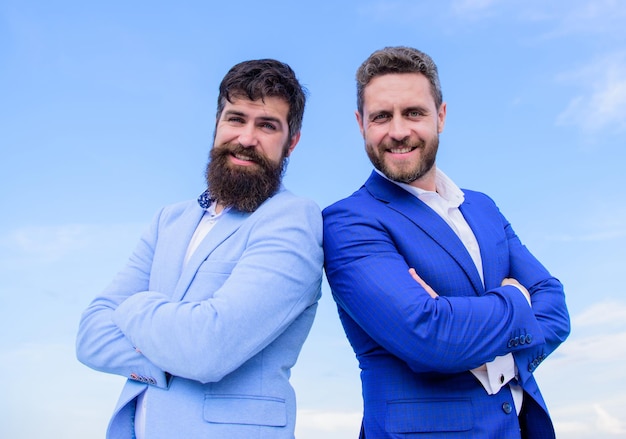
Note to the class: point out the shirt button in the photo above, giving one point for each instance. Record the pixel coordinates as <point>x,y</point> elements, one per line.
<point>501,379</point>
<point>507,408</point>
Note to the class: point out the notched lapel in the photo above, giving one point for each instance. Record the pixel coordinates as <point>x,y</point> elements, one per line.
<point>225,227</point>
<point>487,234</point>
<point>428,221</point>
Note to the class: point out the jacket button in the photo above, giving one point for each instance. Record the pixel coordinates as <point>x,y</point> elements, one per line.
<point>529,339</point>
<point>507,408</point>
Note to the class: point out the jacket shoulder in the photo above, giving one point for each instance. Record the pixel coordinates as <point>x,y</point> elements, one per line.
<point>359,200</point>
<point>478,198</point>
<point>174,211</point>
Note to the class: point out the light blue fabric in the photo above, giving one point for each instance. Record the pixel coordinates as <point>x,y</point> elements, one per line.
<point>217,337</point>
<point>414,351</point>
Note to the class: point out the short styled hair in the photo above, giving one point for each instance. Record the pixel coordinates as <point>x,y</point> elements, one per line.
<point>258,79</point>
<point>399,59</point>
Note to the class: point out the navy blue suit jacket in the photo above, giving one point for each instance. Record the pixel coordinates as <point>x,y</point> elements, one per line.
<point>415,352</point>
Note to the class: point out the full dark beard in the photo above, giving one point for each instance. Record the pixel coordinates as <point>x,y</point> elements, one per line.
<point>406,175</point>
<point>241,187</point>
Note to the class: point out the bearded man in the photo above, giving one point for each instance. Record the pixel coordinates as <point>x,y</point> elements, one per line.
<point>447,312</point>
<point>209,315</point>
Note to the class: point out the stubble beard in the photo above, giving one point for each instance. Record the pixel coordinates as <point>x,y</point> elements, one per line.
<point>243,187</point>
<point>405,174</point>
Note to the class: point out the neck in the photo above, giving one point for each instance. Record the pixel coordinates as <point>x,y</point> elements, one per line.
<point>428,181</point>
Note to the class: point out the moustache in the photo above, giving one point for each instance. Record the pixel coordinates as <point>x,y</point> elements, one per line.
<point>404,143</point>
<point>238,150</point>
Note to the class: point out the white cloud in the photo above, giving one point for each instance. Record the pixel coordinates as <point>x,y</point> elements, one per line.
<point>589,17</point>
<point>581,381</point>
<point>603,221</point>
<point>607,423</point>
<point>585,420</point>
<point>607,314</point>
<point>472,5</point>
<point>313,424</point>
<point>47,244</point>
<point>601,103</point>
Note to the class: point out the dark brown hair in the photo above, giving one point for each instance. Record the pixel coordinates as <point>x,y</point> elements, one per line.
<point>258,79</point>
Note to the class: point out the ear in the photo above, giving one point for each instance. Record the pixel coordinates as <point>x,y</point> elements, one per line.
<point>441,117</point>
<point>292,143</point>
<point>359,120</point>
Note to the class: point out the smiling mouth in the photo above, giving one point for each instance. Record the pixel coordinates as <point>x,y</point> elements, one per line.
<point>243,158</point>
<point>401,149</point>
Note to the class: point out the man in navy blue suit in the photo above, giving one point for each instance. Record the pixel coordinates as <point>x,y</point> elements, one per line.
<point>448,313</point>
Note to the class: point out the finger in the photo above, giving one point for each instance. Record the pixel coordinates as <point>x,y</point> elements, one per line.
<point>424,285</point>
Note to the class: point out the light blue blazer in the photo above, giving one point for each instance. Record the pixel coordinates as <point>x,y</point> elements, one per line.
<point>211,342</point>
<point>415,353</point>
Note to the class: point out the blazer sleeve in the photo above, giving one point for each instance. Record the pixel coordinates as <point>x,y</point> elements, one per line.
<point>100,343</point>
<point>276,278</point>
<point>547,299</point>
<point>370,283</point>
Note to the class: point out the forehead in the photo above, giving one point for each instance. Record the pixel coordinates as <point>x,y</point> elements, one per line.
<point>268,107</point>
<point>398,89</point>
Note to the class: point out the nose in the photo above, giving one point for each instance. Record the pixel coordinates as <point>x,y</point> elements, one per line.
<point>247,136</point>
<point>399,129</point>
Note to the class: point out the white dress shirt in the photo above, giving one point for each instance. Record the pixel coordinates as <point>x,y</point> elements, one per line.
<point>445,202</point>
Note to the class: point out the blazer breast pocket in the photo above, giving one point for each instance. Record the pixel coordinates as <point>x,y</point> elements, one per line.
<point>246,410</point>
<point>429,415</point>
<point>211,275</point>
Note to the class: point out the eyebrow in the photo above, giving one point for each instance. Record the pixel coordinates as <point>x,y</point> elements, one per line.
<point>275,120</point>
<point>419,108</point>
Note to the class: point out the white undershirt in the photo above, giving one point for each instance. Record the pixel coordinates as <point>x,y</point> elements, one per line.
<point>208,220</point>
<point>445,202</point>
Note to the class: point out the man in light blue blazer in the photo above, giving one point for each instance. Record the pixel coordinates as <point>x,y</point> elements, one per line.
<point>209,315</point>
<point>448,313</point>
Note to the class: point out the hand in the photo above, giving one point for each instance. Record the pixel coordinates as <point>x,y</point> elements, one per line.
<point>419,280</point>
<point>515,283</point>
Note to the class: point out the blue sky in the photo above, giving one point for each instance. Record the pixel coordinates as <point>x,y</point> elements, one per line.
<point>107,113</point>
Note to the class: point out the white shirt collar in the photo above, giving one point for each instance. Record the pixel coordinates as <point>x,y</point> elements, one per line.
<point>446,188</point>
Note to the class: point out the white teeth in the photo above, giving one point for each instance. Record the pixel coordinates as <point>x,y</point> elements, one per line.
<point>400,150</point>
<point>243,157</point>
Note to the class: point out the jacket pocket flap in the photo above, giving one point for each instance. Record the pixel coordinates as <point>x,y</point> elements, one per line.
<point>245,409</point>
<point>409,416</point>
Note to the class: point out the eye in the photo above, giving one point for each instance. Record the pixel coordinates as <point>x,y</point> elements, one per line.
<point>381,117</point>
<point>268,126</point>
<point>416,113</point>
<point>236,119</point>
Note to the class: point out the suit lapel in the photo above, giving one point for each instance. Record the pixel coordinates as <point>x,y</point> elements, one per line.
<point>224,228</point>
<point>427,220</point>
<point>486,237</point>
